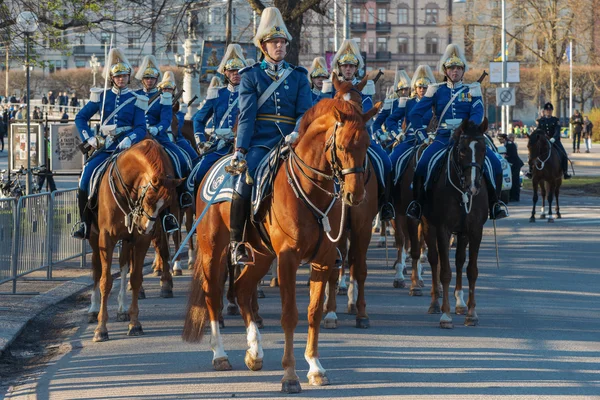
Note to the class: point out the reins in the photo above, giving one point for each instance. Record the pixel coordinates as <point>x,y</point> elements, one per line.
<point>466,196</point>
<point>539,161</point>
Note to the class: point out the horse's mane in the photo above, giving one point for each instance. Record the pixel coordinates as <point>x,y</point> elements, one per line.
<point>324,107</point>
<point>148,153</point>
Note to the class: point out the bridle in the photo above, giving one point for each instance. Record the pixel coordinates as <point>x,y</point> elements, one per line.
<point>135,207</point>
<point>539,163</point>
<point>337,175</point>
<point>466,195</point>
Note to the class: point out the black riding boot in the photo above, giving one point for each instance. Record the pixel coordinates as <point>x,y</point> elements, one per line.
<point>386,209</point>
<point>81,230</point>
<point>240,208</point>
<point>498,209</point>
<point>414,208</point>
<point>565,166</point>
<point>169,221</point>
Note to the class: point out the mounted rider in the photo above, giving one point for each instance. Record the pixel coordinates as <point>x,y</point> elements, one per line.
<point>316,76</point>
<point>274,95</point>
<point>452,102</point>
<point>392,102</point>
<point>422,79</point>
<point>159,117</point>
<point>122,124</point>
<point>551,127</point>
<point>347,63</point>
<point>220,105</point>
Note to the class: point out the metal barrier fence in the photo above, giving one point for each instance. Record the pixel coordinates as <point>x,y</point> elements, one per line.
<point>7,237</point>
<point>65,213</point>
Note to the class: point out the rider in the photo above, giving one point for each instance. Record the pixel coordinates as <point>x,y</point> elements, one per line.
<point>453,102</point>
<point>393,102</point>
<point>159,118</point>
<point>274,95</point>
<point>422,78</point>
<point>316,75</point>
<point>221,105</point>
<point>122,125</point>
<point>347,63</point>
<point>551,127</point>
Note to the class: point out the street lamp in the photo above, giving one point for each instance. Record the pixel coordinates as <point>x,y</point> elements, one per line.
<point>94,64</point>
<point>27,22</point>
<point>190,68</point>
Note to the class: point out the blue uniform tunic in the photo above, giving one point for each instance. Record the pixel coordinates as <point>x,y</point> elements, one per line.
<point>129,120</point>
<point>315,94</point>
<point>465,102</point>
<point>182,142</point>
<point>389,107</point>
<point>215,109</point>
<point>160,116</point>
<point>262,128</point>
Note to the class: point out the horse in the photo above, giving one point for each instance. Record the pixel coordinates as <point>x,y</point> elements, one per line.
<point>464,211</point>
<point>135,188</point>
<point>332,145</point>
<point>546,171</point>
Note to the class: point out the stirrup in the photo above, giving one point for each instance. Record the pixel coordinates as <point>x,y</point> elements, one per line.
<point>414,210</point>
<point>185,200</point>
<point>528,175</point>
<point>170,223</point>
<point>387,212</point>
<point>502,210</point>
<point>241,259</point>
<point>566,175</point>
<point>77,228</point>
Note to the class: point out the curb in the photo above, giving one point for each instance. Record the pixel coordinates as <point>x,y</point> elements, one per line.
<point>12,326</point>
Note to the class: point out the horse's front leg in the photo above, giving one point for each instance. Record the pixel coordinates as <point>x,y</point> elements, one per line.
<point>138,253</point>
<point>461,256</point>
<point>412,228</point>
<point>124,260</point>
<point>556,192</point>
<point>543,190</point>
<point>429,234</point>
<point>550,198</point>
<point>472,272</point>
<point>166,279</point>
<point>534,184</point>
<point>330,321</point>
<point>106,245</point>
<point>357,258</point>
<point>443,243</point>
<point>96,274</point>
<point>400,263</point>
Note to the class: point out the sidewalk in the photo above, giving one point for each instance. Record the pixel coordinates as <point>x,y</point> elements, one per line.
<point>582,159</point>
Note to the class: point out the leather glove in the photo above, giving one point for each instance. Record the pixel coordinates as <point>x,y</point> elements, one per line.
<point>238,157</point>
<point>552,140</point>
<point>92,141</point>
<point>203,146</point>
<point>124,144</point>
<point>153,130</point>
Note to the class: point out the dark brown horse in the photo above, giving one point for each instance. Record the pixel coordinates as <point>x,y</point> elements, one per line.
<point>332,144</point>
<point>136,187</point>
<point>457,203</point>
<point>546,172</point>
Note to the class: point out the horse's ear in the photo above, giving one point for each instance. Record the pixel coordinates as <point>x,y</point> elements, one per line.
<point>371,113</point>
<point>483,127</point>
<point>338,115</point>
<point>360,85</point>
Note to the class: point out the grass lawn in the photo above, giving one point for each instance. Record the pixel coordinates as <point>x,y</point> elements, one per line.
<point>576,182</point>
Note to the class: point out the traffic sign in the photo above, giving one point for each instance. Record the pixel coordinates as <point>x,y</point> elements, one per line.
<point>505,96</point>
<point>512,72</point>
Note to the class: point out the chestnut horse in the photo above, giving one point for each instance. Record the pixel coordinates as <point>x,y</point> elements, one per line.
<point>136,187</point>
<point>332,146</point>
<point>463,210</point>
<point>546,171</point>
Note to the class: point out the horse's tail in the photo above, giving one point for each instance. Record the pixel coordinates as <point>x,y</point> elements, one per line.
<point>196,316</point>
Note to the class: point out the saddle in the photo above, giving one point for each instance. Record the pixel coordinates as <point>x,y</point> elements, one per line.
<point>377,164</point>
<point>95,180</point>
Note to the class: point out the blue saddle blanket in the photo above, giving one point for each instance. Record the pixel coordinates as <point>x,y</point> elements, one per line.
<point>401,164</point>
<point>377,165</point>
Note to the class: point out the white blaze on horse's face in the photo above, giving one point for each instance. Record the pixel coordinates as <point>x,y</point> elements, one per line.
<point>473,169</point>
<point>150,224</point>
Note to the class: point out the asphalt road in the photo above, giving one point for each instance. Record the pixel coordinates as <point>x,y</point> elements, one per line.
<point>539,333</point>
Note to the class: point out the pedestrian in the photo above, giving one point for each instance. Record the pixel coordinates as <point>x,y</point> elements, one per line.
<point>44,99</point>
<point>587,133</point>
<point>577,122</point>
<point>512,157</point>
<point>3,131</point>
<point>74,101</point>
<point>36,113</point>
<point>45,170</point>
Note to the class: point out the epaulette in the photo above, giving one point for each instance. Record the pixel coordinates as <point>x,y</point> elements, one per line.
<point>475,89</point>
<point>141,101</point>
<point>166,99</point>
<point>402,102</point>
<point>327,86</point>
<point>248,68</point>
<point>95,94</point>
<point>387,104</point>
<point>212,93</point>
<point>369,89</point>
<point>431,89</point>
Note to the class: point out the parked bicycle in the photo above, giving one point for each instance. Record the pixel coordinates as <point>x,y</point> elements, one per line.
<point>11,184</point>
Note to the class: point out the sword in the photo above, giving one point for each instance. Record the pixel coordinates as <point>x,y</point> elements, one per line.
<point>191,232</point>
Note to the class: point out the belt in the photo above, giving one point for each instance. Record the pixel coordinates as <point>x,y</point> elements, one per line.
<point>276,118</point>
<point>122,129</point>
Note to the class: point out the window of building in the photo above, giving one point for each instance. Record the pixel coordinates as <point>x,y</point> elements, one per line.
<point>80,63</point>
<point>133,40</point>
<point>431,44</point>
<point>382,14</point>
<point>403,14</point>
<point>357,40</point>
<point>356,15</point>
<point>371,45</point>
<point>431,14</point>
<point>382,44</point>
<point>370,15</point>
<point>402,45</point>
<point>105,38</point>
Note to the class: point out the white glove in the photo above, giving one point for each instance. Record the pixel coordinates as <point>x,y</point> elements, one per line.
<point>153,130</point>
<point>238,157</point>
<point>552,140</point>
<point>381,135</point>
<point>431,136</point>
<point>92,141</point>
<point>291,138</point>
<point>125,144</point>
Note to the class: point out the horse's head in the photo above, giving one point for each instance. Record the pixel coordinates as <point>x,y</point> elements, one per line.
<point>155,201</point>
<point>469,154</point>
<point>346,91</point>
<point>346,151</point>
<point>537,143</point>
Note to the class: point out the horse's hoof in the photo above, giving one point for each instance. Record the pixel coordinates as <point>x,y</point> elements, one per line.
<point>142,294</point>
<point>177,272</point>
<point>260,294</point>
<point>92,317</point>
<point>471,321</point>
<point>341,291</point>
<point>532,219</point>
<point>252,363</point>
<point>460,310</point>
<point>543,216</point>
<point>550,220</point>
<point>291,386</point>
<point>434,309</point>
<point>558,216</point>
<point>158,272</point>
<point>318,380</point>
<point>123,317</point>
<point>446,325</point>
<point>415,291</point>
<point>274,282</point>
<point>232,309</point>
<point>399,283</point>
<point>352,310</point>
<point>135,330</point>
<point>330,323</point>
<point>259,323</point>
<point>166,293</point>
<point>363,323</point>
<point>421,283</point>
<point>100,336</point>
<point>221,364</point>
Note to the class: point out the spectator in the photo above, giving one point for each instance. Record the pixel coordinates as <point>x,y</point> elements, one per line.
<point>44,100</point>
<point>587,133</point>
<point>52,99</point>
<point>74,101</point>
<point>20,115</point>
<point>3,131</point>
<point>36,113</point>
<point>577,122</point>
<point>512,156</point>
